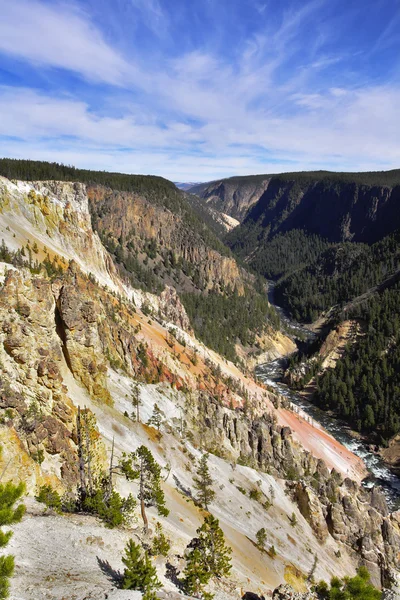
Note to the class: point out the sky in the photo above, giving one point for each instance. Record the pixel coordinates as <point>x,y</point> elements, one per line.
<point>195,90</point>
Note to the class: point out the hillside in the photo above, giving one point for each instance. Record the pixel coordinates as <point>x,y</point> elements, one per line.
<point>74,334</point>
<point>330,209</point>
<point>156,238</point>
<point>337,275</point>
<point>233,196</point>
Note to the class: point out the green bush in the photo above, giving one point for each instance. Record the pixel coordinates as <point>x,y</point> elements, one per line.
<point>50,497</point>
<point>139,573</point>
<point>349,588</point>
<point>114,511</point>
<point>161,544</point>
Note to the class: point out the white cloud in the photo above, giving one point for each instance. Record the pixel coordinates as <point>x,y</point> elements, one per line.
<point>59,35</point>
<point>356,130</point>
<point>199,116</point>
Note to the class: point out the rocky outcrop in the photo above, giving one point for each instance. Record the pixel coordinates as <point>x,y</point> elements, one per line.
<point>234,196</point>
<point>77,322</point>
<point>311,509</point>
<point>161,241</point>
<point>286,592</point>
<point>352,515</point>
<point>33,399</point>
<point>336,209</point>
<point>173,310</point>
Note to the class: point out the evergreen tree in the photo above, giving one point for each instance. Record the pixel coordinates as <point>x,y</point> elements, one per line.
<point>139,573</point>
<point>261,537</point>
<point>209,557</point>
<point>9,494</point>
<point>203,483</point>
<point>211,543</point>
<point>136,401</point>
<point>141,465</point>
<point>196,573</point>
<point>157,417</point>
<point>161,544</point>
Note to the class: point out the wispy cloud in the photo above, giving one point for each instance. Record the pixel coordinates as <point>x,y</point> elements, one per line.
<point>61,36</point>
<point>279,101</point>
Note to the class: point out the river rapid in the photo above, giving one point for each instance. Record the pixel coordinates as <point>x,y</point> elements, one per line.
<point>272,373</point>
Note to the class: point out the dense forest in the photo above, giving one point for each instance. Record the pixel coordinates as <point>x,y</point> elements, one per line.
<point>341,273</point>
<point>389,178</point>
<point>364,387</point>
<point>280,255</point>
<point>155,189</point>
<point>221,321</point>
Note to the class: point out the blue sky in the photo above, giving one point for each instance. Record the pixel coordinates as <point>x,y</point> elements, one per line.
<point>195,90</point>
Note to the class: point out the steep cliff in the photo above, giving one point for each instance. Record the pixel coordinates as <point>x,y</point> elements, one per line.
<point>234,196</point>
<point>146,236</point>
<point>157,240</point>
<point>334,208</point>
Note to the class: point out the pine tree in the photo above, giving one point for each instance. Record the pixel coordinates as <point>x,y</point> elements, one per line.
<point>139,573</point>
<point>211,543</point>
<point>9,494</point>
<point>209,557</point>
<point>157,417</point>
<point>161,544</point>
<point>261,537</point>
<point>203,483</point>
<point>136,401</point>
<point>141,465</point>
<point>196,573</point>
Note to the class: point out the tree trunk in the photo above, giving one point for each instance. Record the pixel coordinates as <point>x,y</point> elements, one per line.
<point>88,454</point>
<point>110,473</point>
<point>144,516</point>
<point>142,505</point>
<point>82,474</point>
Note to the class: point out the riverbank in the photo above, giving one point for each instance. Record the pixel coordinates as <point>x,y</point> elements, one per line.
<point>378,468</point>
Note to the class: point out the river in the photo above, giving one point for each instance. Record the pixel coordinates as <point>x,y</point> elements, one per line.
<point>272,373</point>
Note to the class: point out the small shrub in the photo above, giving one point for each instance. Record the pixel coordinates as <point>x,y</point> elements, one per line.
<point>255,494</point>
<point>50,497</point>
<point>161,544</point>
<point>261,537</point>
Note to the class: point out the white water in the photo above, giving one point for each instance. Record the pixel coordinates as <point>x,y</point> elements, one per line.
<point>271,374</point>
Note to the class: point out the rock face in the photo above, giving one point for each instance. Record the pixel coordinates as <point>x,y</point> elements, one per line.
<point>49,327</point>
<point>56,215</point>
<point>161,241</point>
<point>333,209</point>
<point>285,592</point>
<point>173,309</point>
<point>31,389</point>
<point>234,196</point>
<point>352,515</point>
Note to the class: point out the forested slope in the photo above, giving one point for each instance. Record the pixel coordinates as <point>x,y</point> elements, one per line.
<point>157,238</point>
<point>364,387</point>
<point>341,273</point>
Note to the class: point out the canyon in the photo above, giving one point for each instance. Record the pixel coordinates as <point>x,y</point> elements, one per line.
<point>79,333</point>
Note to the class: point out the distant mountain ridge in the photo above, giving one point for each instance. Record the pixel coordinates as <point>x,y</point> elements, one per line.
<point>235,196</point>
<point>185,186</point>
<point>232,196</point>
